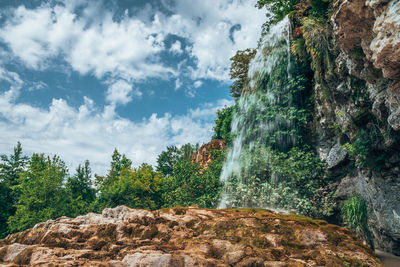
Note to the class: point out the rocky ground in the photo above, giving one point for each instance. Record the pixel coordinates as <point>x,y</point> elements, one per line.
<point>185,237</point>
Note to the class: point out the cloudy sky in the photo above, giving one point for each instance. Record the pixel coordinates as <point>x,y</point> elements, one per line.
<point>79,78</point>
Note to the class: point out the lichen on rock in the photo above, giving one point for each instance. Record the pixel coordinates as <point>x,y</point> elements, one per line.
<point>185,237</point>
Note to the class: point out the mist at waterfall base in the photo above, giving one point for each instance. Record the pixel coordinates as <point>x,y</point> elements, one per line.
<point>265,120</point>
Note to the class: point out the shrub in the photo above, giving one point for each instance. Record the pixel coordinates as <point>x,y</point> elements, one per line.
<point>355,215</point>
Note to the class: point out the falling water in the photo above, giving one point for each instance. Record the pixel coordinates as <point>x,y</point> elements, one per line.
<point>261,122</point>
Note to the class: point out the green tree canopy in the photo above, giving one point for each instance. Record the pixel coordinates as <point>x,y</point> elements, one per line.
<point>135,188</point>
<point>222,128</point>
<point>167,159</point>
<point>80,191</point>
<point>80,185</point>
<point>118,163</point>
<point>189,184</point>
<point>10,169</point>
<point>41,192</point>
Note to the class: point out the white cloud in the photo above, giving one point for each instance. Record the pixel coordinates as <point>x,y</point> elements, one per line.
<point>207,25</point>
<point>122,49</point>
<point>178,84</point>
<point>130,47</point>
<point>118,53</point>
<point>197,84</point>
<point>37,86</point>
<point>87,132</point>
<point>208,110</point>
<point>176,48</point>
<point>119,92</point>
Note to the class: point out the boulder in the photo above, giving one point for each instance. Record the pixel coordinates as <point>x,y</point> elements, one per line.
<point>185,237</point>
<point>336,156</point>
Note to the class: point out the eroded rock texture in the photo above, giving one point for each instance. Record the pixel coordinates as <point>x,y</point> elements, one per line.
<point>185,237</point>
<point>368,33</point>
<point>203,155</point>
<point>360,105</point>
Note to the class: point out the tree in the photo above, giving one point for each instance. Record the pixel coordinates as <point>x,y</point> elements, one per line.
<point>42,195</point>
<point>135,188</point>
<point>118,163</point>
<point>80,185</point>
<point>10,169</point>
<point>189,184</point>
<point>239,70</point>
<point>167,159</point>
<point>222,128</point>
<point>80,192</point>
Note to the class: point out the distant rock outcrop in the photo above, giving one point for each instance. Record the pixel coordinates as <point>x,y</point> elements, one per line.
<point>203,155</point>
<point>185,237</point>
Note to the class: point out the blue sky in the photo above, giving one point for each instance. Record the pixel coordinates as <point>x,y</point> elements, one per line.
<point>79,78</point>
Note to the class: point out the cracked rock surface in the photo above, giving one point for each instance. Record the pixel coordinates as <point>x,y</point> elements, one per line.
<point>185,237</point>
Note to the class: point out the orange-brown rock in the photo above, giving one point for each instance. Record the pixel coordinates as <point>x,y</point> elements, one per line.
<point>203,155</point>
<point>185,237</point>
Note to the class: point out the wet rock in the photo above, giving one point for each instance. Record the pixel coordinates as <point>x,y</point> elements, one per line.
<point>336,156</point>
<point>241,238</point>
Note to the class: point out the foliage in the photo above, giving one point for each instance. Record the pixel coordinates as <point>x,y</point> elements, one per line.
<point>320,8</point>
<point>357,53</point>
<point>285,180</point>
<point>10,168</point>
<point>39,189</point>
<point>167,159</point>
<point>124,185</point>
<point>80,185</point>
<point>189,184</point>
<point>118,162</point>
<point>239,69</point>
<point>135,188</point>
<point>361,148</point>
<point>278,9</point>
<point>222,128</point>
<point>317,35</point>
<point>355,215</point>
<point>298,49</point>
<point>41,192</point>
<point>80,191</point>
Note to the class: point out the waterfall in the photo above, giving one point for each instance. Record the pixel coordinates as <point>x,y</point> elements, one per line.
<point>264,120</point>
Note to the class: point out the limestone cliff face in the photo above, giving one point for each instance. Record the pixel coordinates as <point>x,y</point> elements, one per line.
<point>203,155</point>
<point>363,103</point>
<point>191,236</point>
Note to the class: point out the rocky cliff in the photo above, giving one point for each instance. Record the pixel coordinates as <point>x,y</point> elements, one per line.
<point>203,155</point>
<point>358,112</point>
<point>185,237</point>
